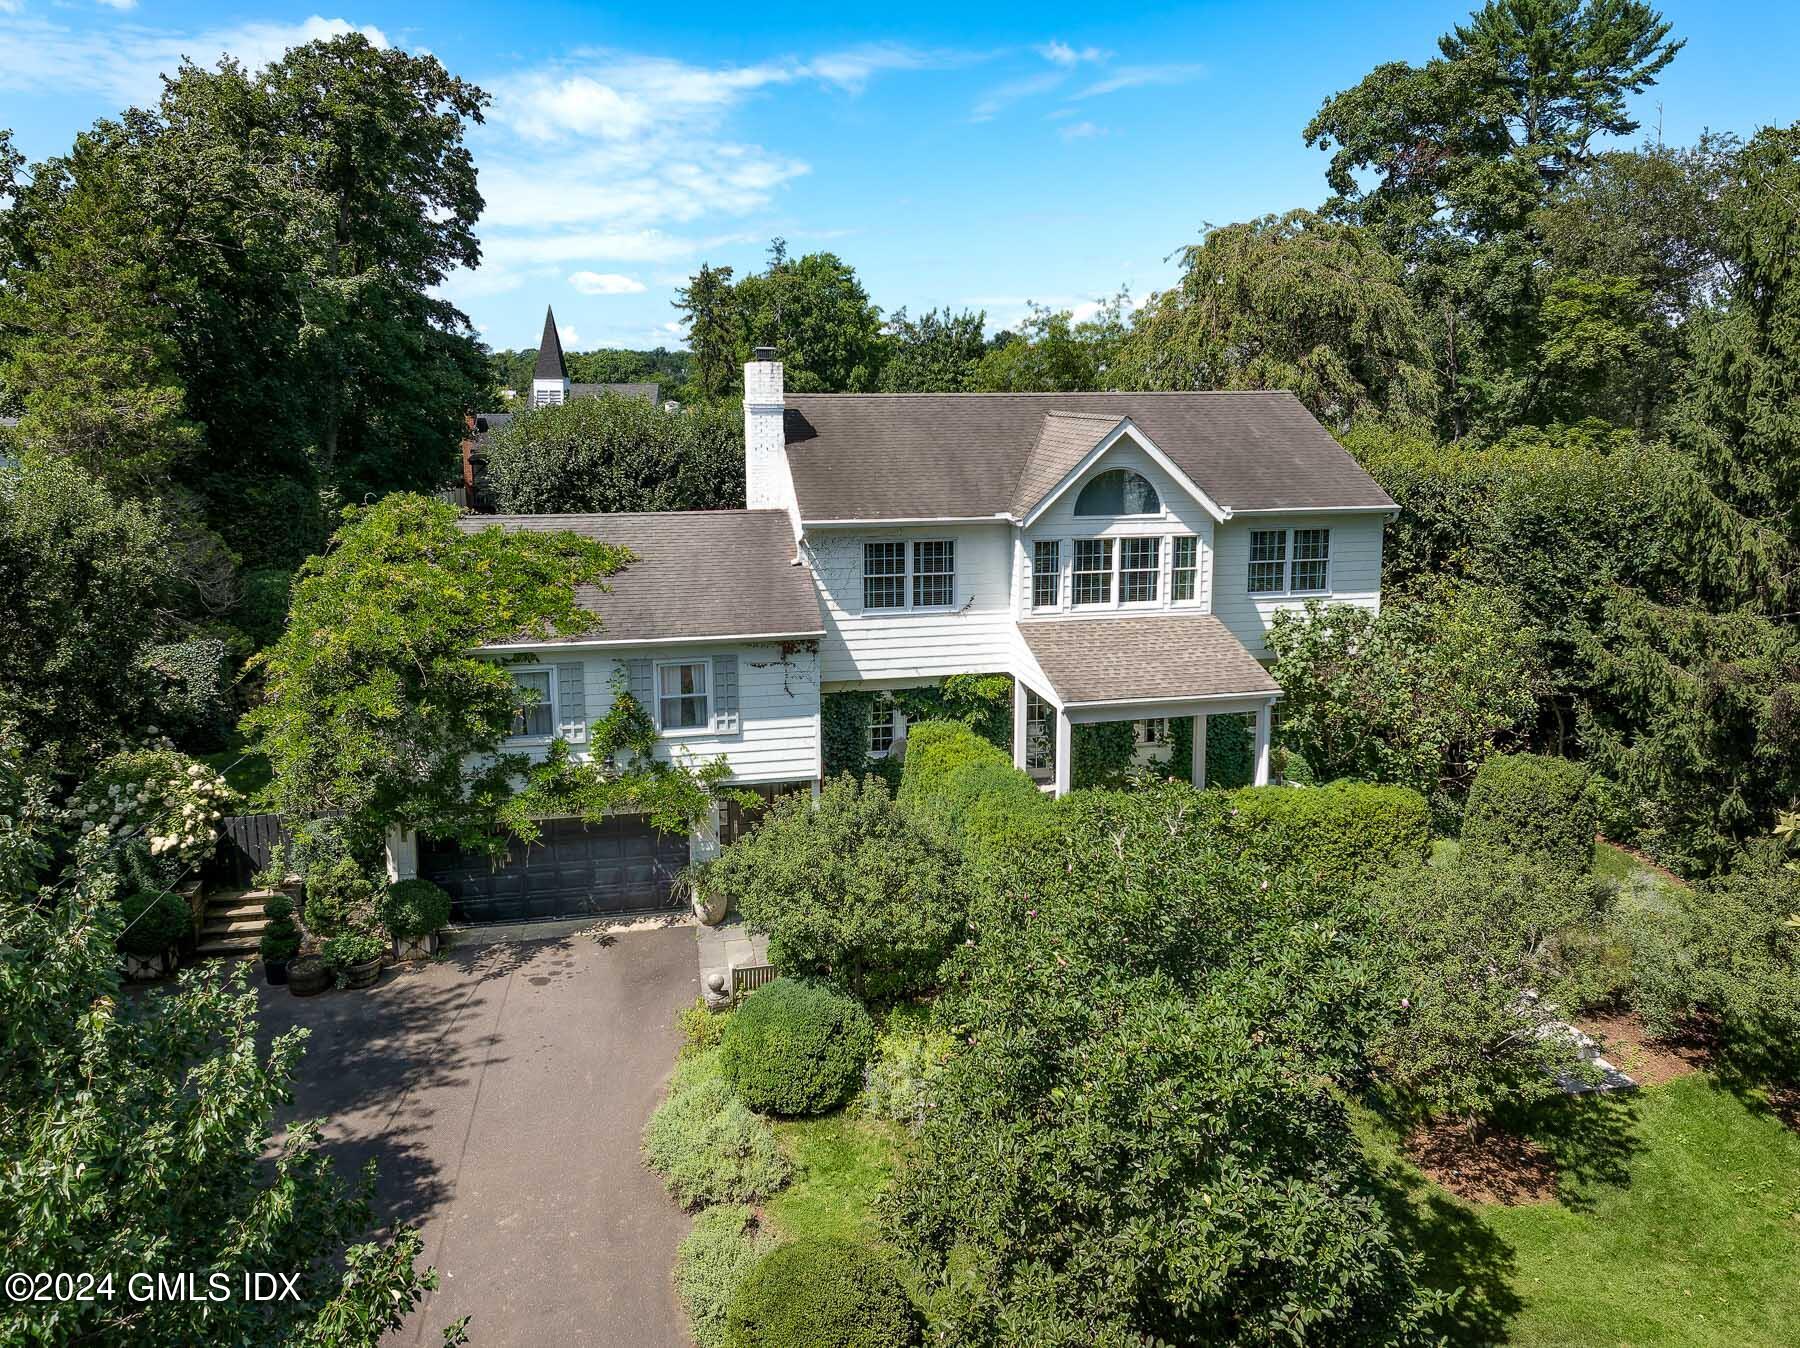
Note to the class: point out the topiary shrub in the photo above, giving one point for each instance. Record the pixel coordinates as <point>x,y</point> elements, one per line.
<point>796,1048</point>
<point>848,888</point>
<point>1339,833</point>
<point>711,1263</point>
<point>339,897</point>
<point>707,1145</point>
<point>822,1293</point>
<point>413,909</point>
<point>155,919</point>
<point>1531,805</point>
<point>280,940</point>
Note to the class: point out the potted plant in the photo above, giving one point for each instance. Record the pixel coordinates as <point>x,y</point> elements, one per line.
<point>156,920</point>
<point>307,975</point>
<point>354,957</point>
<point>280,939</point>
<point>710,903</point>
<point>414,912</point>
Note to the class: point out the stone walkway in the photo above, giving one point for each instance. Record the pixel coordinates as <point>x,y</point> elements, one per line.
<point>723,948</point>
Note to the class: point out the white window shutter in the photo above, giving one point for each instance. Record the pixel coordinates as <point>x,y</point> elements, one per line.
<point>725,717</point>
<point>571,702</point>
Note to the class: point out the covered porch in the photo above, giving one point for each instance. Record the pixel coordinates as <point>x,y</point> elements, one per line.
<point>1091,670</point>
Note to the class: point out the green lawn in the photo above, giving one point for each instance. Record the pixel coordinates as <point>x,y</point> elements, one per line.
<point>841,1162</point>
<point>1679,1224</point>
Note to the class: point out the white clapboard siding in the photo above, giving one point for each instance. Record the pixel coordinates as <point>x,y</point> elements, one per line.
<point>777,734</point>
<point>1355,573</point>
<point>973,636</point>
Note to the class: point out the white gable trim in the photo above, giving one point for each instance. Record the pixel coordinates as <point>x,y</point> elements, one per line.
<point>1125,427</point>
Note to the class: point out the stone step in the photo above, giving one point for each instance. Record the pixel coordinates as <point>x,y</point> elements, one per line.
<point>234,908</point>
<point>226,947</point>
<point>228,926</point>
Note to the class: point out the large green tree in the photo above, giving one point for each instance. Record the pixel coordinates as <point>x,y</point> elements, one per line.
<point>1290,302</point>
<point>937,352</point>
<point>1054,352</point>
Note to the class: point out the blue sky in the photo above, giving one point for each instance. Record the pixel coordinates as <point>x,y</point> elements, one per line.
<point>972,155</point>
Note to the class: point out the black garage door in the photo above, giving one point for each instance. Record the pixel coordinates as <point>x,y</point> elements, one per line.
<point>574,870</point>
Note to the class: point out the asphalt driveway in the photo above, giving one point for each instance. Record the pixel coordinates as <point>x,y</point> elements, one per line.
<point>501,1092</point>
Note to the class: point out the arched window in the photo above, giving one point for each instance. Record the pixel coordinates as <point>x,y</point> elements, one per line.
<point>1118,491</point>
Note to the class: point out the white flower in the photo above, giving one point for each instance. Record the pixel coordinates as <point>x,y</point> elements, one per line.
<point>87,825</point>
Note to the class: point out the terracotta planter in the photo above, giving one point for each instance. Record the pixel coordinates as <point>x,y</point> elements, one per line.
<point>419,948</point>
<point>146,968</point>
<point>364,975</point>
<point>307,977</point>
<point>276,972</point>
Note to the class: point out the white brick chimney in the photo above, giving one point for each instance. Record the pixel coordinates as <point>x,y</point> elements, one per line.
<point>768,483</point>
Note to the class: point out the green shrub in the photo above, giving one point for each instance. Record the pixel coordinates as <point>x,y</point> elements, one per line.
<point>822,1293</point>
<point>414,909</point>
<point>349,948</point>
<point>968,789</point>
<point>848,888</point>
<point>340,897</point>
<point>1339,833</point>
<point>1531,805</point>
<point>707,1145</point>
<point>280,940</point>
<point>278,908</point>
<point>901,1081</point>
<point>701,1027</point>
<point>155,919</point>
<point>710,1264</point>
<point>796,1047</point>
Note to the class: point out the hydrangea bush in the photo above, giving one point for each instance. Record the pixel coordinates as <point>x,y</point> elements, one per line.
<point>161,796</point>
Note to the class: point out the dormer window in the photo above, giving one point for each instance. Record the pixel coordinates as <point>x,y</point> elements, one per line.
<point>1119,491</point>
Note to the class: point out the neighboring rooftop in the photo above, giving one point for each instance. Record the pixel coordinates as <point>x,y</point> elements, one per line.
<point>962,455</point>
<point>698,574</point>
<point>1143,659</point>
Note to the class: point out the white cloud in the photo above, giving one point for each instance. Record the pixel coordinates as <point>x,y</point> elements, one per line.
<point>1135,77</point>
<point>1060,53</point>
<point>116,4</point>
<point>1003,96</point>
<point>123,63</point>
<point>1081,131</point>
<point>567,332</point>
<point>605,283</point>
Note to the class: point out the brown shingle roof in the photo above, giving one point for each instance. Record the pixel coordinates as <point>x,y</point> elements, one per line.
<point>1064,440</point>
<point>1140,659</point>
<point>937,455</point>
<point>698,574</point>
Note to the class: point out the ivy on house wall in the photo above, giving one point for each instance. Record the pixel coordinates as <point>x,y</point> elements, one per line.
<point>983,702</point>
<point>1100,754</point>
<point>1230,749</point>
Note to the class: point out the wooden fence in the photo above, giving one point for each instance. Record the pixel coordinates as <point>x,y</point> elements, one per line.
<point>246,843</point>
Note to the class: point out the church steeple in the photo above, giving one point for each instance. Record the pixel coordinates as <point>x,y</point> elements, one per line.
<point>550,380</point>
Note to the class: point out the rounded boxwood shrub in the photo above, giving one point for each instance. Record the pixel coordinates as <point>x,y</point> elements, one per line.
<point>155,919</point>
<point>795,1047</point>
<point>822,1293</point>
<point>413,909</point>
<point>1531,805</point>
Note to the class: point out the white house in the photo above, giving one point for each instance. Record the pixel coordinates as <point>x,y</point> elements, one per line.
<point>1118,554</point>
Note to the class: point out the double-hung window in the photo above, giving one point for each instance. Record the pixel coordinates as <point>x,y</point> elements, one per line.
<point>1312,561</point>
<point>934,574</point>
<point>1093,573</point>
<point>1290,561</point>
<point>1040,744</point>
<point>1184,569</point>
<point>1140,568</point>
<point>535,717</point>
<point>681,696</point>
<point>884,729</point>
<point>884,575</point>
<point>1046,573</point>
<point>1268,561</point>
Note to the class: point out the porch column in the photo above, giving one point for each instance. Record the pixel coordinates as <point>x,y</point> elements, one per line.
<point>1199,763</point>
<point>1264,716</point>
<point>1019,752</point>
<point>1065,751</point>
<point>703,838</point>
<point>402,854</point>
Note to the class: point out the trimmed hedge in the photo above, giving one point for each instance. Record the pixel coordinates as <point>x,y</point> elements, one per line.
<point>969,789</point>
<point>1339,833</point>
<point>822,1293</point>
<point>796,1048</point>
<point>1531,805</point>
<point>711,1264</point>
<point>707,1145</point>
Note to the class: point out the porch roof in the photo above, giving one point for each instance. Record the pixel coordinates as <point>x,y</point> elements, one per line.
<point>1160,658</point>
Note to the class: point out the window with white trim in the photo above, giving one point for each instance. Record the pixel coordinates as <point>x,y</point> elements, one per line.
<point>934,573</point>
<point>1290,561</point>
<point>1312,561</point>
<point>1151,732</point>
<point>884,575</point>
<point>1140,568</point>
<point>1046,573</point>
<point>1093,573</point>
<point>1184,569</point>
<point>535,690</point>
<point>1268,561</point>
<point>1118,491</point>
<point>1040,744</point>
<point>681,696</point>
<point>884,729</point>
